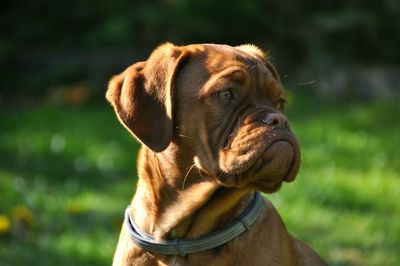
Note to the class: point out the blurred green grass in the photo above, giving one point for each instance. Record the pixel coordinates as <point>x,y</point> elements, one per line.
<point>67,173</point>
<point>73,168</point>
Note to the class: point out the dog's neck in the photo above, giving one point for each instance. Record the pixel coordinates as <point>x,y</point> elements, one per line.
<point>177,202</point>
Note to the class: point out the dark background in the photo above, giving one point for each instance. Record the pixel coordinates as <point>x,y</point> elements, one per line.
<point>80,44</point>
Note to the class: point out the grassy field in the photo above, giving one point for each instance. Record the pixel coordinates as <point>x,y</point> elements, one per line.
<point>67,173</point>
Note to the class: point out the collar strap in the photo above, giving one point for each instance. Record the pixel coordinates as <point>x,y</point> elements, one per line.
<point>182,247</point>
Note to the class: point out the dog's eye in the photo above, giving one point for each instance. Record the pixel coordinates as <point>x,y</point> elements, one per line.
<point>225,95</point>
<point>281,104</point>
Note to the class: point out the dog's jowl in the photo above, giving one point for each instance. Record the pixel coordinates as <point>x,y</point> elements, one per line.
<point>213,133</point>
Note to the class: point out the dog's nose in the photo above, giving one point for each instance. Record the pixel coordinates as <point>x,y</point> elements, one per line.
<point>276,120</point>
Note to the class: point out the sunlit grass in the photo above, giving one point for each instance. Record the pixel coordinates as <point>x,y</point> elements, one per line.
<point>73,170</point>
<point>344,201</point>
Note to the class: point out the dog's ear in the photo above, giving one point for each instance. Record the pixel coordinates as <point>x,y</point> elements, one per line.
<point>142,96</point>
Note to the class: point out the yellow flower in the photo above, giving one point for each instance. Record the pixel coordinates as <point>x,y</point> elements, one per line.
<point>23,215</point>
<point>75,208</point>
<point>5,224</point>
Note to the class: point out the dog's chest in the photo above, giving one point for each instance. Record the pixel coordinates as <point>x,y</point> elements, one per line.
<point>174,261</point>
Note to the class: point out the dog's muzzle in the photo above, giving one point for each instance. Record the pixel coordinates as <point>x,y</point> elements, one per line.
<point>262,151</point>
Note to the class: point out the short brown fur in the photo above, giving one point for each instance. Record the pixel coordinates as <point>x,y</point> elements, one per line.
<point>204,154</point>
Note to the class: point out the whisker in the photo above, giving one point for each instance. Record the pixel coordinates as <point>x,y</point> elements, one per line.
<point>303,83</point>
<point>187,174</point>
<point>306,83</point>
<point>201,174</point>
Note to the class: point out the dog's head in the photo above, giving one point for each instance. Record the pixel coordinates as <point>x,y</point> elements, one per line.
<point>221,105</point>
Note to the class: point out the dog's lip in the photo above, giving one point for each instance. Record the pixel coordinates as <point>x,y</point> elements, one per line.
<point>274,136</point>
<point>285,135</point>
<point>269,186</point>
<point>294,167</point>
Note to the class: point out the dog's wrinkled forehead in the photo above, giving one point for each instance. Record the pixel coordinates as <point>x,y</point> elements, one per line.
<point>223,56</point>
<point>247,62</point>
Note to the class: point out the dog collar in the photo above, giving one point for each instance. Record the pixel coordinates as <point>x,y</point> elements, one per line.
<point>182,247</point>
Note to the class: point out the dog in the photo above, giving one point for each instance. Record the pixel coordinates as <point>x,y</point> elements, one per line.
<point>213,134</point>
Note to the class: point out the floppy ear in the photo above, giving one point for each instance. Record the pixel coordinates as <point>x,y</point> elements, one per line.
<point>142,96</point>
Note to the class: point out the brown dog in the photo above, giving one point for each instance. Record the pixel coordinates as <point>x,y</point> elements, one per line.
<point>211,124</point>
